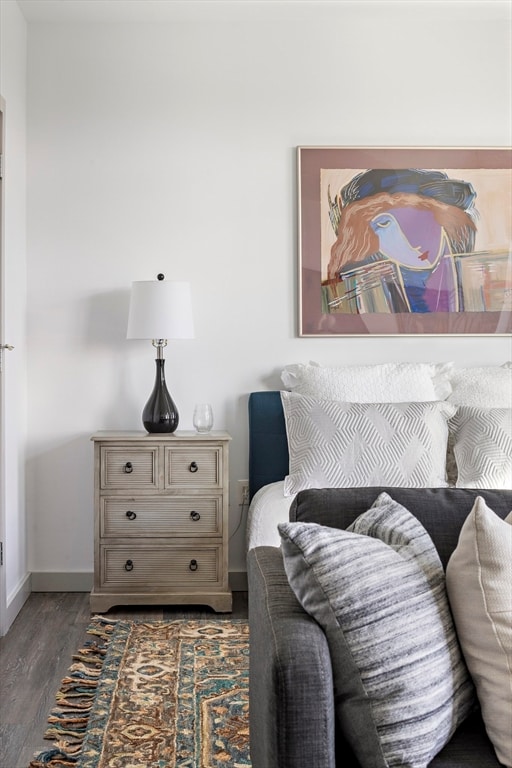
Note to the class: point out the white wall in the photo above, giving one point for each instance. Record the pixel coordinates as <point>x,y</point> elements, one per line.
<point>13,73</point>
<point>171,147</point>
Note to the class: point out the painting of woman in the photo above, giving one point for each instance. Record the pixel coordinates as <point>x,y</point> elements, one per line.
<point>400,230</point>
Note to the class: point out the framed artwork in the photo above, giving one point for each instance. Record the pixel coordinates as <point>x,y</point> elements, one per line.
<point>410,241</point>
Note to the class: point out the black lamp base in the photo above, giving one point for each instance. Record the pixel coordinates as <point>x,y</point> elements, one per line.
<point>160,413</point>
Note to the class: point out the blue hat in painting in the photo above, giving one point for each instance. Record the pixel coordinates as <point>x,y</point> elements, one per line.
<point>433,184</point>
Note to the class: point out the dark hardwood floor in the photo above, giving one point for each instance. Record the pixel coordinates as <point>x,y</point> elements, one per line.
<point>36,653</point>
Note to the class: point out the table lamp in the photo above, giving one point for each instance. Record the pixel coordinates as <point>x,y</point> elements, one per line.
<point>160,310</point>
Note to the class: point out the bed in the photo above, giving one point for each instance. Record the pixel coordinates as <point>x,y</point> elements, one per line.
<point>480,398</point>
<point>268,465</point>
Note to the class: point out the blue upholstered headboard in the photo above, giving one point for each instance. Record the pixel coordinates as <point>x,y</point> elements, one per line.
<point>268,445</point>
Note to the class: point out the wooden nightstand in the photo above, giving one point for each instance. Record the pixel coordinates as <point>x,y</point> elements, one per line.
<point>161,519</point>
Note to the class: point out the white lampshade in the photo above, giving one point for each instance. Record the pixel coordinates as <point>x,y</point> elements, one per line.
<point>160,310</point>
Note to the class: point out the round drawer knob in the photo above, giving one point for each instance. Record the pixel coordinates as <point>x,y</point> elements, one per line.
<point>193,467</point>
<point>131,515</point>
<point>128,566</point>
<point>195,516</point>
<point>128,468</point>
<point>193,565</point>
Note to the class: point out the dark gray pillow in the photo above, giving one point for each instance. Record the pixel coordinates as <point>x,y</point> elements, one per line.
<point>378,591</point>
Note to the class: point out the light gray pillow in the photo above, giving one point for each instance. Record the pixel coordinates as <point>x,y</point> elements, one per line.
<point>378,383</point>
<point>482,446</point>
<point>479,586</point>
<point>484,387</point>
<point>378,590</point>
<point>344,445</point>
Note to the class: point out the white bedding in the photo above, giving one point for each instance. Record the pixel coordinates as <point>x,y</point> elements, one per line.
<point>269,507</point>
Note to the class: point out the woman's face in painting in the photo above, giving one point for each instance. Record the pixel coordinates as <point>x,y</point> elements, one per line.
<point>408,236</point>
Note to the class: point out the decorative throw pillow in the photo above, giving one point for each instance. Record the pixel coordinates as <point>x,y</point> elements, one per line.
<point>484,387</point>
<point>378,591</point>
<point>482,446</point>
<point>479,584</point>
<point>342,445</point>
<point>381,383</point>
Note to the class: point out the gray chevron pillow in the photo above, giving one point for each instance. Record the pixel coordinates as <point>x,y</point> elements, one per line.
<point>378,591</point>
<point>482,446</point>
<point>334,444</point>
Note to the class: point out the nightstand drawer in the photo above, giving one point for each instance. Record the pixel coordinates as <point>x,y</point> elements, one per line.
<point>193,467</point>
<point>129,468</point>
<point>157,567</point>
<point>153,517</point>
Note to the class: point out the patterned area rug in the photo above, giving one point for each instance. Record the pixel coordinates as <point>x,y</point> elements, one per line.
<point>154,695</point>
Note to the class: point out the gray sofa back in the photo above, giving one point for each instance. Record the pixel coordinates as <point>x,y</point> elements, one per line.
<point>442,511</point>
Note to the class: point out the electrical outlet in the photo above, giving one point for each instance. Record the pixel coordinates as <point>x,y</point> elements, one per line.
<point>243,493</point>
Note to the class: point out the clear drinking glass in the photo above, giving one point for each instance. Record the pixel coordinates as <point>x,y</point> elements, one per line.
<point>203,417</point>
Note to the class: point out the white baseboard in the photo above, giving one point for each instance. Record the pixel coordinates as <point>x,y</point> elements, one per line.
<point>82,581</point>
<point>16,601</point>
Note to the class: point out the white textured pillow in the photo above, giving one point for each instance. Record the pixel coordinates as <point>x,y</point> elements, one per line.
<point>381,383</point>
<point>482,446</point>
<point>343,445</point>
<point>485,387</point>
<point>479,584</point>
<point>378,591</point>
